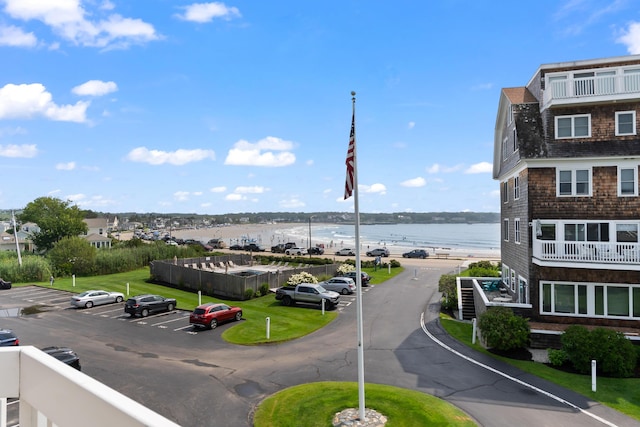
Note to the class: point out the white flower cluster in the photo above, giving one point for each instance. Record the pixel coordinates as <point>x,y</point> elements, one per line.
<point>303,277</point>
<point>345,268</point>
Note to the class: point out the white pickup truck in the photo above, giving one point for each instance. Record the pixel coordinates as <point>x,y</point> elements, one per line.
<point>307,293</point>
<point>295,251</point>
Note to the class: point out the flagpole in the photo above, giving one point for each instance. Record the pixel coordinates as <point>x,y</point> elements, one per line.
<point>15,236</point>
<point>356,206</point>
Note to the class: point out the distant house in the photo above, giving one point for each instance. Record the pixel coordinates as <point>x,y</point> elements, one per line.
<point>8,242</point>
<point>97,232</point>
<point>567,154</point>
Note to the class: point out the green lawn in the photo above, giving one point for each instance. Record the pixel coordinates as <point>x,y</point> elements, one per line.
<point>314,405</point>
<point>622,394</point>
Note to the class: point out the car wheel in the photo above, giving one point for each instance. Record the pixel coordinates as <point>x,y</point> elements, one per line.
<point>119,299</point>
<point>213,324</point>
<point>286,300</point>
<point>239,315</point>
<point>144,312</point>
<point>170,307</point>
<point>88,304</point>
<point>344,291</point>
<point>423,257</point>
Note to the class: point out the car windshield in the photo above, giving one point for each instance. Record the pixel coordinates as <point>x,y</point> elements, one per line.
<point>84,294</point>
<point>6,335</point>
<point>321,289</point>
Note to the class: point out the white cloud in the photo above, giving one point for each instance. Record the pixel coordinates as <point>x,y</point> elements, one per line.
<point>261,153</point>
<point>206,12</point>
<point>411,125</point>
<point>76,197</point>
<point>482,167</point>
<point>631,38</point>
<point>69,166</point>
<point>218,189</point>
<point>494,194</point>
<point>374,188</point>
<point>16,37</point>
<point>235,197</point>
<point>483,86</point>
<point>437,168</point>
<point>12,131</point>
<point>181,196</point>
<point>68,19</point>
<point>179,157</point>
<point>292,203</point>
<point>23,151</point>
<point>95,88</point>
<point>25,101</point>
<point>414,182</point>
<point>250,190</point>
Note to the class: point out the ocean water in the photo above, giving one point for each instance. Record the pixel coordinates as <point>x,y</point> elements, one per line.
<point>461,239</point>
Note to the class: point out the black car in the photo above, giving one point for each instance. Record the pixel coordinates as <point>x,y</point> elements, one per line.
<point>253,247</point>
<point>316,251</point>
<point>143,305</point>
<point>4,284</point>
<point>65,355</point>
<point>364,277</point>
<point>416,253</point>
<point>236,247</point>
<point>8,338</point>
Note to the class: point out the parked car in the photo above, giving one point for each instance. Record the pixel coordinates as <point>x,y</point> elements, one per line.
<point>378,252</point>
<point>342,285</point>
<point>364,277</point>
<point>236,247</point>
<point>88,299</point>
<point>281,247</point>
<point>4,284</point>
<point>307,293</point>
<point>8,338</point>
<point>416,253</point>
<point>253,247</point>
<point>295,251</point>
<point>143,305</point>
<point>316,250</point>
<point>346,252</point>
<point>211,314</point>
<point>65,355</point>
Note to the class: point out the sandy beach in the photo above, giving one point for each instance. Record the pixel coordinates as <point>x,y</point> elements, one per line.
<point>268,235</point>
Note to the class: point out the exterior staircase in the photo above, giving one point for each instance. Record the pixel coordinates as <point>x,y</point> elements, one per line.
<point>468,305</point>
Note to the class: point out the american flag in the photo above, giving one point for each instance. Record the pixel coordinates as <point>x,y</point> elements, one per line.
<point>351,160</point>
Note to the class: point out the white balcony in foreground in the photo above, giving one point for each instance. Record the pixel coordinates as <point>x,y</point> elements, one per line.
<point>591,85</point>
<point>52,394</point>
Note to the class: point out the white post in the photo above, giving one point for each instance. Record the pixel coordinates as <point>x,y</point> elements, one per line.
<point>473,337</point>
<point>389,268</point>
<point>127,288</point>
<point>593,376</point>
<point>73,278</point>
<point>323,306</point>
<point>268,327</point>
<point>415,274</point>
<point>3,412</point>
<point>199,297</point>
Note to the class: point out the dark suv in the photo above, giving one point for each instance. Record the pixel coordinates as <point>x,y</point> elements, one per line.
<point>8,338</point>
<point>378,252</point>
<point>364,277</point>
<point>143,305</point>
<point>416,253</point>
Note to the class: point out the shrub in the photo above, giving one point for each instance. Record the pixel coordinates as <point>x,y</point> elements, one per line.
<point>503,330</point>
<point>302,277</point>
<point>248,294</point>
<point>614,354</point>
<point>264,289</point>
<point>557,357</point>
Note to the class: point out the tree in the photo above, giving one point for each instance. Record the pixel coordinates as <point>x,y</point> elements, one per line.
<point>72,255</point>
<point>55,218</point>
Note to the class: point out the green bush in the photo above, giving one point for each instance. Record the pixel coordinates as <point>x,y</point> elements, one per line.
<point>248,294</point>
<point>503,330</point>
<point>557,357</point>
<point>264,289</point>
<point>614,354</point>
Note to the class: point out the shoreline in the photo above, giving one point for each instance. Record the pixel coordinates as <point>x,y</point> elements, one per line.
<point>269,235</point>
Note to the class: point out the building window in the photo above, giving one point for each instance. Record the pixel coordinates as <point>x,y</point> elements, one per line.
<point>627,233</point>
<point>505,144</point>
<point>591,299</point>
<point>574,182</point>
<point>578,126</point>
<point>505,275</point>
<point>625,123</point>
<point>513,280</point>
<point>516,228</point>
<point>515,140</point>
<point>627,181</point>
<point>505,230</point>
<point>505,192</point>
<point>510,114</point>
<point>523,296</point>
<point>516,188</point>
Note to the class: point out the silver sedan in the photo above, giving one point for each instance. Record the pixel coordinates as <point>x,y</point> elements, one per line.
<point>88,299</point>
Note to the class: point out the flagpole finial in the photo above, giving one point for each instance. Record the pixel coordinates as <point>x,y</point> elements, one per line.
<point>353,93</point>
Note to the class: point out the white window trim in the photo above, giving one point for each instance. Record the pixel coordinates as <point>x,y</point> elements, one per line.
<point>635,181</point>
<point>633,132</point>
<point>572,117</point>
<point>516,187</point>
<point>517,232</point>
<point>573,182</point>
<point>524,300</point>
<point>513,280</point>
<point>591,307</point>
<point>506,275</point>
<point>505,227</point>
<point>505,192</point>
<point>516,146</point>
<point>505,145</point>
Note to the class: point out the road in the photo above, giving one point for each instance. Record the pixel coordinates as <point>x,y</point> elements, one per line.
<point>196,379</point>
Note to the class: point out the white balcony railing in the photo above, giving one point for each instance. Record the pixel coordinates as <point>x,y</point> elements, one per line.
<point>587,252</point>
<point>52,394</point>
<point>613,84</point>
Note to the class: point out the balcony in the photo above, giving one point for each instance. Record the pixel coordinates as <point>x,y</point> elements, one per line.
<point>604,255</point>
<point>591,85</point>
<point>52,394</point>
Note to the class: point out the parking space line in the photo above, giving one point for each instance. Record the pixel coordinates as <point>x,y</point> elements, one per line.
<point>184,327</point>
<point>169,321</point>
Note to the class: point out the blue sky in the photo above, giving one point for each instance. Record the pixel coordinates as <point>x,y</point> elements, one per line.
<point>244,106</point>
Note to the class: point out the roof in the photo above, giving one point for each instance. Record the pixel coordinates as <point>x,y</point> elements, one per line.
<point>519,95</point>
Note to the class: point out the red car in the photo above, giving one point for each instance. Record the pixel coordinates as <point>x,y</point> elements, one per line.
<point>209,315</point>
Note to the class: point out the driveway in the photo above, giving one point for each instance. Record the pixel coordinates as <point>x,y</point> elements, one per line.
<point>197,379</point>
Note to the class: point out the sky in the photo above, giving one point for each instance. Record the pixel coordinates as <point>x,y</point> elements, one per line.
<point>172,106</point>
